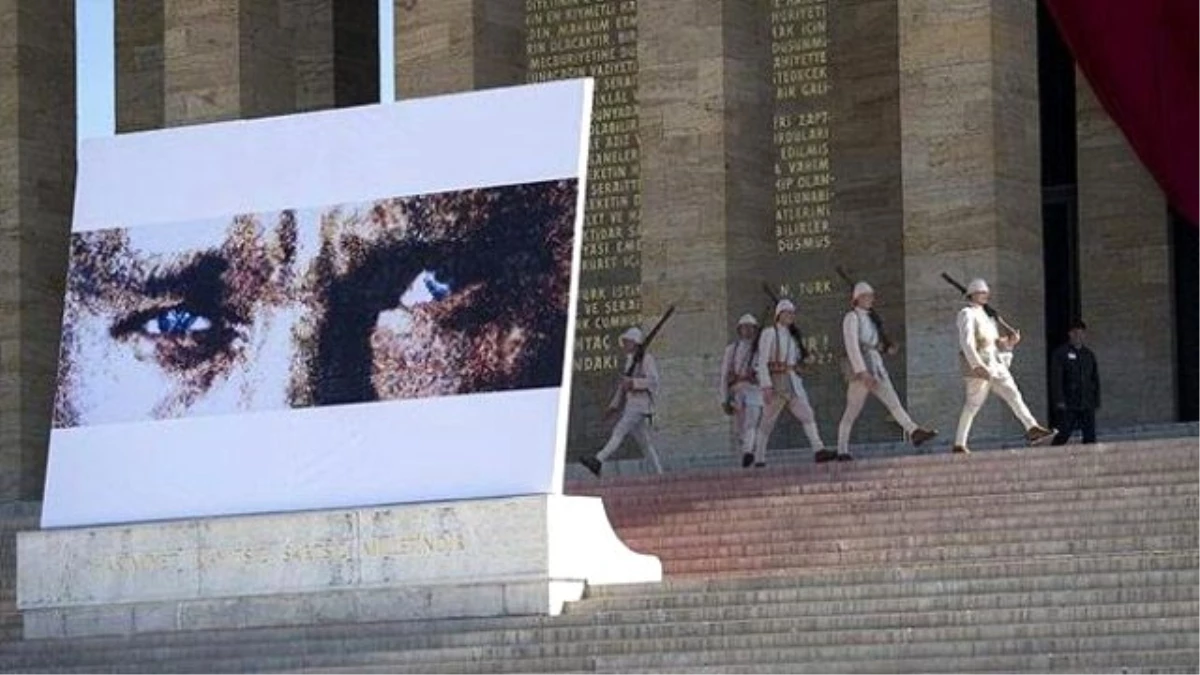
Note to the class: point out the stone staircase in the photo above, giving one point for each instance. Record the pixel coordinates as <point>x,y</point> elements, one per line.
<point>1080,558</point>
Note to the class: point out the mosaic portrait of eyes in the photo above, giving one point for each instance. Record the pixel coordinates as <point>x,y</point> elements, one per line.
<point>303,308</point>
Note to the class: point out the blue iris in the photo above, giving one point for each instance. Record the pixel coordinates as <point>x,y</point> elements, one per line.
<point>437,289</point>
<point>177,321</point>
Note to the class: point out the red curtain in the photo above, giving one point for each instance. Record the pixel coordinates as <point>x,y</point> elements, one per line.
<point>1140,57</point>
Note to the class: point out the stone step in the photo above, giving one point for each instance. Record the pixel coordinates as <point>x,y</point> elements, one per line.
<point>816,493</point>
<point>974,485</point>
<point>912,650</point>
<point>1078,566</point>
<point>1159,662</point>
<point>808,487</point>
<point>654,599</point>
<point>660,609</point>
<point>945,610</point>
<point>813,626</point>
<point>1179,455</point>
<point>733,531</point>
<point>760,544</point>
<point>790,457</point>
<point>1139,496</point>
<point>757,564</point>
<point>1122,663</point>
<point>602,642</point>
<point>912,466</point>
<point>981,516</point>
<point>903,570</point>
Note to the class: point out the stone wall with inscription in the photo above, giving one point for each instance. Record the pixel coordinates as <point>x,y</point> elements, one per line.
<point>598,38</point>
<point>837,201</point>
<point>481,557</point>
<point>738,144</point>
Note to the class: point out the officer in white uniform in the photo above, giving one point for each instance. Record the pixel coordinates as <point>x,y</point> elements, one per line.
<point>740,395</point>
<point>777,364</point>
<point>866,374</point>
<point>984,369</point>
<point>635,401</point>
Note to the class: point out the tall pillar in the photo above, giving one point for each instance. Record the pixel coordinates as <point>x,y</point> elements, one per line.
<point>196,61</point>
<point>837,190</point>
<point>224,60</point>
<point>458,45</point>
<point>970,148</point>
<point>1124,272</point>
<point>140,92</point>
<point>37,177</point>
<point>335,52</point>
<point>705,141</point>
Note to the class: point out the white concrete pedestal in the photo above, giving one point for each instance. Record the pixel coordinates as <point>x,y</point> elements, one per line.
<point>491,557</point>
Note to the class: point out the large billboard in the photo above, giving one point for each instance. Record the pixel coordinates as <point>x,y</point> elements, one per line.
<point>344,308</point>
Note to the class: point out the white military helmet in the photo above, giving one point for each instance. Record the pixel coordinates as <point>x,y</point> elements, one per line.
<point>861,288</point>
<point>784,305</point>
<point>977,286</point>
<point>634,335</point>
<point>747,320</point>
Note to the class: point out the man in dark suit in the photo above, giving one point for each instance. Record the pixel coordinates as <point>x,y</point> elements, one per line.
<point>1075,386</point>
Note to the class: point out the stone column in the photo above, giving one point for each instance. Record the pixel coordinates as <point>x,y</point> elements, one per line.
<point>705,134</point>
<point>448,46</point>
<point>196,61</point>
<point>139,63</point>
<point>37,181</point>
<point>355,53</point>
<point>335,53</point>
<point>970,148</point>
<point>837,189</point>
<point>1124,272</point>
<point>224,60</point>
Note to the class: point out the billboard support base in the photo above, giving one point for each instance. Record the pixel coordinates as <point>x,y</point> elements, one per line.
<point>472,558</point>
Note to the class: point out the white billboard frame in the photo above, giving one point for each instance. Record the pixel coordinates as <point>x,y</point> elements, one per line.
<point>497,444</point>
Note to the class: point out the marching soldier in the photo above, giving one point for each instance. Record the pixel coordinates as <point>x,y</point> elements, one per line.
<point>779,357</point>
<point>865,373</point>
<point>983,369</point>
<point>739,391</point>
<point>635,402</point>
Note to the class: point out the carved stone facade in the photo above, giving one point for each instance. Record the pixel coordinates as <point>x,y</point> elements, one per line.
<point>775,142</point>
<point>736,144</point>
<point>37,189</point>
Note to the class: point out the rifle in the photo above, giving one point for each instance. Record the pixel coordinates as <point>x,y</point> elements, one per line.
<point>885,343</point>
<point>640,354</point>
<point>987,308</point>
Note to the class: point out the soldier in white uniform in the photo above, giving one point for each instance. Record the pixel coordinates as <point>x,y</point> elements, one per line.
<point>635,401</point>
<point>739,393</point>
<point>777,362</point>
<point>865,373</point>
<point>984,369</point>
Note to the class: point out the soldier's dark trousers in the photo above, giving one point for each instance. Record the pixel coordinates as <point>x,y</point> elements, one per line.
<point>1070,420</point>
